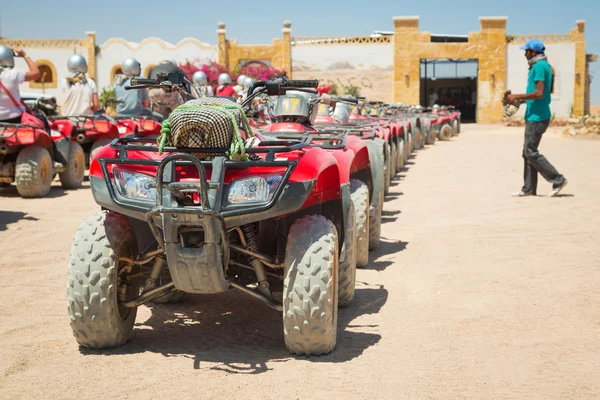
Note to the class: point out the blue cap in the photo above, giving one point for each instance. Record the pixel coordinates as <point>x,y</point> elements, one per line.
<point>535,45</point>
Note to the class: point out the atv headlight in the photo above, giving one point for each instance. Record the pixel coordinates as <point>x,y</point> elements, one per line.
<point>256,189</point>
<point>135,186</point>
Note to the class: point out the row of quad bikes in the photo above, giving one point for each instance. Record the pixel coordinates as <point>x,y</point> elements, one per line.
<point>288,227</point>
<point>31,157</point>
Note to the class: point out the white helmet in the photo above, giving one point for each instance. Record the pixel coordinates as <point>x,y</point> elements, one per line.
<point>436,106</point>
<point>199,78</point>
<point>131,67</point>
<point>7,59</point>
<point>224,78</point>
<point>77,63</point>
<point>248,82</point>
<point>241,79</point>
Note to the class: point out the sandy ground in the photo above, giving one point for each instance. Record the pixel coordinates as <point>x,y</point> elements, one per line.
<point>472,294</point>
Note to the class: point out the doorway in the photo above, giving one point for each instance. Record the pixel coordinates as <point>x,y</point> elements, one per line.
<point>450,82</point>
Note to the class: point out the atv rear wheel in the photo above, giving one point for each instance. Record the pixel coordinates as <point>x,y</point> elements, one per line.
<point>347,278</point>
<point>445,132</point>
<point>97,279</point>
<point>394,159</point>
<point>310,292</point>
<point>400,155</point>
<point>431,137</point>
<point>75,168</point>
<point>375,223</point>
<point>359,193</point>
<point>418,139</point>
<point>33,172</point>
<point>387,173</point>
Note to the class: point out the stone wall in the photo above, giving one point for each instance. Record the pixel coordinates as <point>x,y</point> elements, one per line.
<point>487,46</point>
<point>278,54</point>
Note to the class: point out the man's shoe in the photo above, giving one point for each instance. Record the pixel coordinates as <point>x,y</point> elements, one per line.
<point>520,193</point>
<point>557,190</point>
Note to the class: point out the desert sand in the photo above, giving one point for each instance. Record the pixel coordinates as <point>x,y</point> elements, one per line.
<point>471,294</point>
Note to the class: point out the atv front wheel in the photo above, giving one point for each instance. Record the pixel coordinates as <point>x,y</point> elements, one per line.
<point>347,279</point>
<point>431,137</point>
<point>72,177</point>
<point>98,279</point>
<point>33,172</point>
<point>310,293</point>
<point>454,128</point>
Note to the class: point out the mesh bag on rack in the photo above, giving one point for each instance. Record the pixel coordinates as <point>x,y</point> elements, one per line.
<point>208,122</point>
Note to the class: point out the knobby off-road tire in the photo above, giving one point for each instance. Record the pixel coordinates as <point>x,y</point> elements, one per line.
<point>359,193</point>
<point>418,139</point>
<point>394,158</point>
<point>75,168</point>
<point>310,293</point>
<point>445,132</point>
<point>98,144</point>
<point>454,128</point>
<point>33,172</point>
<point>387,173</point>
<point>172,298</point>
<point>431,137</point>
<point>347,275</point>
<point>375,224</point>
<point>400,155</point>
<point>97,320</point>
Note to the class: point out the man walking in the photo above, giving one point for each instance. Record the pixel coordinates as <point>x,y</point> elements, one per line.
<point>537,119</point>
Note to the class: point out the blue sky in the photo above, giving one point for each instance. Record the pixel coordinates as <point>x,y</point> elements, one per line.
<point>259,21</point>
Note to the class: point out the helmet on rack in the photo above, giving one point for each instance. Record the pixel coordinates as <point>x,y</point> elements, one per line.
<point>7,58</point>
<point>131,67</point>
<point>224,78</point>
<point>77,63</point>
<point>241,79</point>
<point>199,78</point>
<point>248,82</point>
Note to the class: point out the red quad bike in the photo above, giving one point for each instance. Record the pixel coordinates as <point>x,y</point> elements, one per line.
<point>91,132</point>
<point>292,120</point>
<point>361,116</point>
<point>382,130</point>
<point>135,126</point>
<point>442,125</point>
<point>456,114</point>
<point>359,161</point>
<point>30,157</point>
<point>174,223</point>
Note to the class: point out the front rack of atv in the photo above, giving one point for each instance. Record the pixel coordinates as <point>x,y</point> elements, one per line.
<point>4,127</point>
<point>81,120</point>
<point>183,157</point>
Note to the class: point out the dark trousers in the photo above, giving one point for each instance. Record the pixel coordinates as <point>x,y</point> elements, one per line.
<point>536,162</point>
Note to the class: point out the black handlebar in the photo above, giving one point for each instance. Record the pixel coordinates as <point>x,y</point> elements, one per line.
<point>347,100</point>
<point>142,81</point>
<point>313,83</point>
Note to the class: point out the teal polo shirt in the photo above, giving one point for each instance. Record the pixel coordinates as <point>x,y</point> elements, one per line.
<point>539,110</point>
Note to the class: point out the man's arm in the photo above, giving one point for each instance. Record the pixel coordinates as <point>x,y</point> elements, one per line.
<point>536,95</point>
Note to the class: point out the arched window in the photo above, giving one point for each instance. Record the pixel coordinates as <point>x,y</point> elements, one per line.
<point>115,70</point>
<point>48,78</point>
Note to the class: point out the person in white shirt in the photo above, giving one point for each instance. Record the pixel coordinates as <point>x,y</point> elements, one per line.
<point>11,78</point>
<point>81,94</point>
